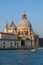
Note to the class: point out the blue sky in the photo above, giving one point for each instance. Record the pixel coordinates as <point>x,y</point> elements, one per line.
<point>13,9</point>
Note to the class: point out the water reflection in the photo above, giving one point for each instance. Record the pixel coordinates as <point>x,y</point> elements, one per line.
<point>21,57</point>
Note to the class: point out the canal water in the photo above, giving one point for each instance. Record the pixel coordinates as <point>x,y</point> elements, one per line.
<point>21,57</point>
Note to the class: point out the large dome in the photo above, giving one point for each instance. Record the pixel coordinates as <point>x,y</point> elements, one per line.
<point>24,22</point>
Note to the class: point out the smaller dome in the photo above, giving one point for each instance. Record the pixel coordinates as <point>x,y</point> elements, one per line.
<point>12,25</point>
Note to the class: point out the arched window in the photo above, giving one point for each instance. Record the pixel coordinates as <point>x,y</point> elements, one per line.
<point>22,43</point>
<point>22,33</point>
<point>27,32</point>
<point>3,44</point>
<point>15,43</point>
<point>11,44</point>
<point>19,33</point>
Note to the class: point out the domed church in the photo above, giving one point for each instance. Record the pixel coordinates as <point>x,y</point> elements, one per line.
<point>20,36</point>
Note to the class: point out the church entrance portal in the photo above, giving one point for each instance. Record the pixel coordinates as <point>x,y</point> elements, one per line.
<point>22,43</point>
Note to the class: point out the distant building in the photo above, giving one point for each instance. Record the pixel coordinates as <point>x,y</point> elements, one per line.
<point>41,42</point>
<point>21,36</point>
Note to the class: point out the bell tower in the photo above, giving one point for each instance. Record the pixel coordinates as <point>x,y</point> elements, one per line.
<point>5,27</point>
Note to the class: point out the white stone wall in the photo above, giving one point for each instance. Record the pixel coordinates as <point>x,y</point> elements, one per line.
<point>18,43</point>
<point>7,36</point>
<point>28,43</point>
<point>8,44</point>
<point>33,43</point>
<point>37,42</point>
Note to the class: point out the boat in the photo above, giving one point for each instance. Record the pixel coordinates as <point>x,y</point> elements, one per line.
<point>33,50</point>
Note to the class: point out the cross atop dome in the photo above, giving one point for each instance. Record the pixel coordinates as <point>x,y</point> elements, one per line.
<point>24,15</point>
